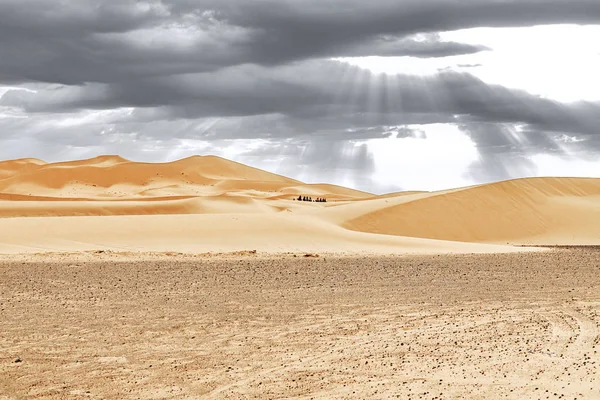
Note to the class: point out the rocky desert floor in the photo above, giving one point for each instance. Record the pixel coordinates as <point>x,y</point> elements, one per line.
<point>237,326</point>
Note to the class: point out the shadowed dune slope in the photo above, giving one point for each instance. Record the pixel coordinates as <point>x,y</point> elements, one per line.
<point>533,210</point>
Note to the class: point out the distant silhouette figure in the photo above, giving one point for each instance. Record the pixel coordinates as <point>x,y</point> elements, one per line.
<point>299,198</point>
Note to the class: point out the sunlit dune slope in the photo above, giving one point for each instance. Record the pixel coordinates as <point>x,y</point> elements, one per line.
<point>533,210</point>
<point>106,160</point>
<point>107,171</point>
<point>13,167</point>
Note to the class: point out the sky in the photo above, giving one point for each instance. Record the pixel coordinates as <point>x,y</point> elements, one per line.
<point>379,95</point>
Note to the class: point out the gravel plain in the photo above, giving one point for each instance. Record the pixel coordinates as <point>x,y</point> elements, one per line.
<point>254,326</point>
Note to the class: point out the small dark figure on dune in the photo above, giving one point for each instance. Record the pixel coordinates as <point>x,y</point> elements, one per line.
<point>306,198</point>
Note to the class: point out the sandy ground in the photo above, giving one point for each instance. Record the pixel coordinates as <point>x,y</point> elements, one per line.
<point>272,233</point>
<point>237,326</point>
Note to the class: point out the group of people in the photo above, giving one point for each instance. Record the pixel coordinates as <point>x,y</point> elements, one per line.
<point>306,198</point>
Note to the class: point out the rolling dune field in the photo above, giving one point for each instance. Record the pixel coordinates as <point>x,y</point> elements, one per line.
<point>222,200</point>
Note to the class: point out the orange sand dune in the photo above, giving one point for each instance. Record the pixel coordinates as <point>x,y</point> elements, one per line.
<point>154,206</point>
<point>13,167</point>
<point>533,210</point>
<point>105,172</point>
<point>20,163</point>
<point>213,192</point>
<point>107,160</point>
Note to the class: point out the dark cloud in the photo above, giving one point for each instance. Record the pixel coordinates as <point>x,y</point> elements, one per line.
<point>80,41</point>
<point>320,96</point>
<point>288,30</point>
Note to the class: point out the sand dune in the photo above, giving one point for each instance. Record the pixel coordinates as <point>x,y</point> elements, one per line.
<point>535,210</point>
<point>397,194</point>
<point>13,167</point>
<point>204,203</point>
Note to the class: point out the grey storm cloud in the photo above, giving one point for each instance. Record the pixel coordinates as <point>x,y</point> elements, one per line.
<point>79,41</point>
<point>328,93</point>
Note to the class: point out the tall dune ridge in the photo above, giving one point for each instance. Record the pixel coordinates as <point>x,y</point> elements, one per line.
<point>208,203</point>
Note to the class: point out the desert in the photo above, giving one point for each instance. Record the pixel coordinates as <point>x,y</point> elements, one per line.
<point>206,278</point>
<point>299,199</point>
<point>211,204</point>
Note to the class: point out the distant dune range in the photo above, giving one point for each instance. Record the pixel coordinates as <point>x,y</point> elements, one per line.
<point>207,203</point>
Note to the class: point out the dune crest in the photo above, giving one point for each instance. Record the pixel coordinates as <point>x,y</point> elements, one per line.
<point>213,192</point>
